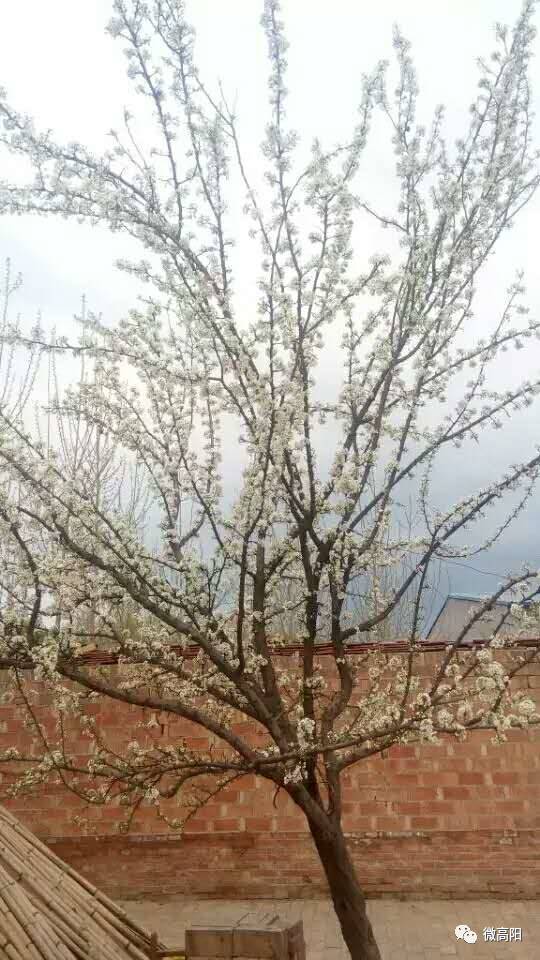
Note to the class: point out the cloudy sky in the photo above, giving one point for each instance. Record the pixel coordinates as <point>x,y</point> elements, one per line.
<point>57,64</point>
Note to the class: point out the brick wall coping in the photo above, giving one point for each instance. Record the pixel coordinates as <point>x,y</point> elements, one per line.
<point>107,657</point>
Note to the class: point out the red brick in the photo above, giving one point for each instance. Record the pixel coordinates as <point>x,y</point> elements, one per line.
<point>405,778</point>
<point>229,824</point>
<point>356,823</point>
<point>505,777</point>
<point>424,823</point>
<point>257,824</point>
<point>471,778</point>
<point>440,807</point>
<point>408,808</point>
<point>210,811</point>
<point>292,824</point>
<point>439,778</point>
<point>402,751</point>
<point>385,824</point>
<point>456,793</point>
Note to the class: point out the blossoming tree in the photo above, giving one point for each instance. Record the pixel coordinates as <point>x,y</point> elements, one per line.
<point>168,374</point>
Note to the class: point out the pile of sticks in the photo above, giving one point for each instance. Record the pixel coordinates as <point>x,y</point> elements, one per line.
<point>49,912</point>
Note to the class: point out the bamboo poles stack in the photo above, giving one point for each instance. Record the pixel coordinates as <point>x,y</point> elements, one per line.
<point>49,912</point>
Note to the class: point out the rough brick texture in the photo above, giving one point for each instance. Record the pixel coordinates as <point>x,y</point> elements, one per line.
<point>456,820</point>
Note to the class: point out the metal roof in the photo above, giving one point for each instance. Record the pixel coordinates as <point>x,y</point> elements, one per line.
<point>472,598</point>
<point>461,596</point>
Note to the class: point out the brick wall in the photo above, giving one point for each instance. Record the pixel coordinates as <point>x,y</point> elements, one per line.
<point>456,820</point>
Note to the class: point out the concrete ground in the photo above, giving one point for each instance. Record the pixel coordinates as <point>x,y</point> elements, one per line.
<point>405,930</point>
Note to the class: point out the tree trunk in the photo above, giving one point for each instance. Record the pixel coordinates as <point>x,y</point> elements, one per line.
<point>347,897</point>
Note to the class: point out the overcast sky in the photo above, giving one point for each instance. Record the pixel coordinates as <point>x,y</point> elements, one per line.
<point>57,64</point>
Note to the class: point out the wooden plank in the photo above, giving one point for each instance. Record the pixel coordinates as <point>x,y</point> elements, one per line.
<point>256,936</point>
<point>209,941</point>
